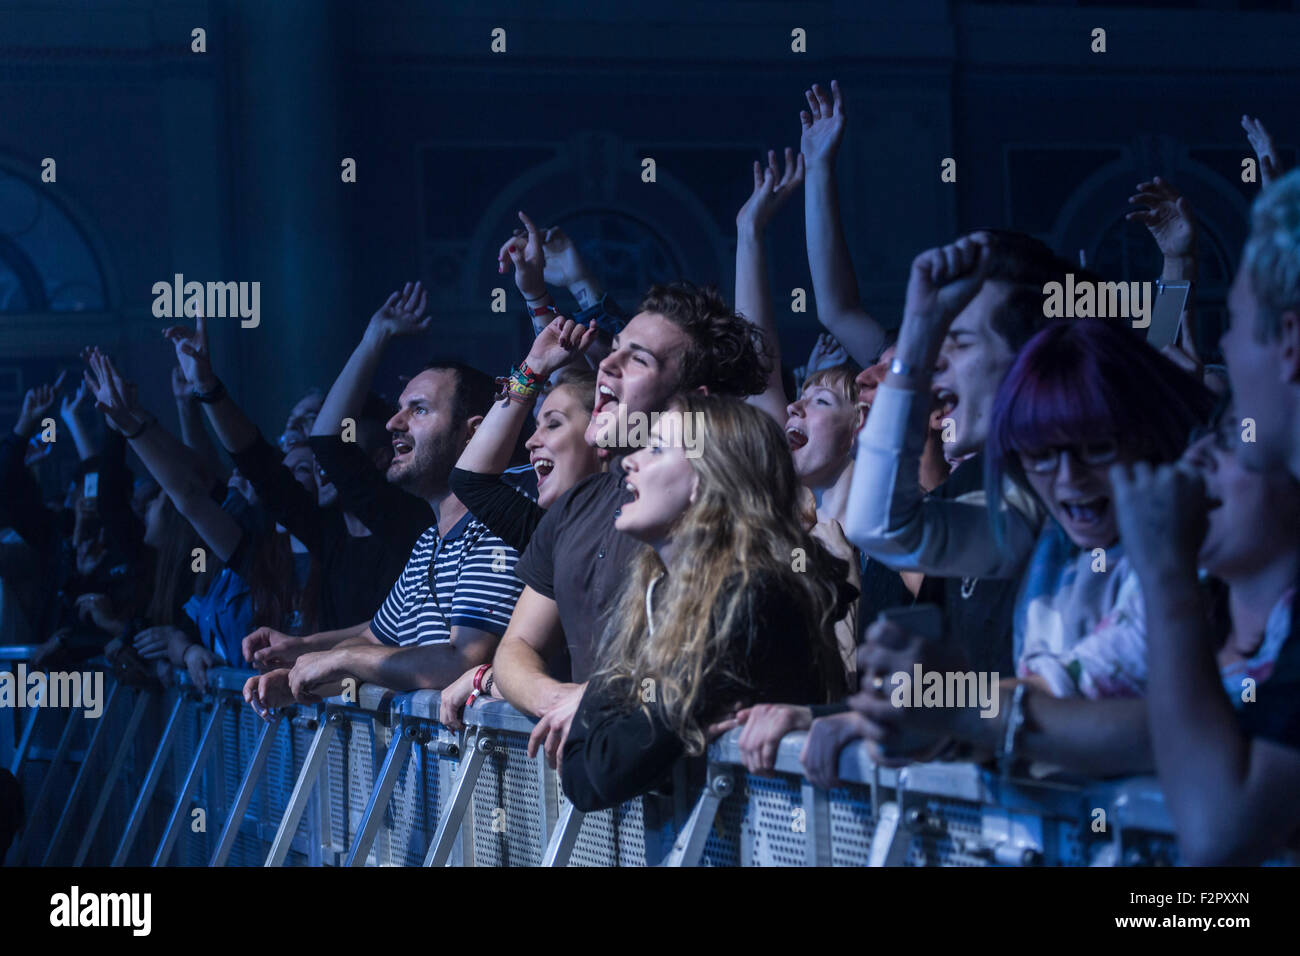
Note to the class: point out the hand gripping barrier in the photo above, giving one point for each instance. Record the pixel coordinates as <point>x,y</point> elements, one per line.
<point>379,781</point>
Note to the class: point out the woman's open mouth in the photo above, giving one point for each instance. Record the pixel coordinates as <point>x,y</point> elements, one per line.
<point>543,467</point>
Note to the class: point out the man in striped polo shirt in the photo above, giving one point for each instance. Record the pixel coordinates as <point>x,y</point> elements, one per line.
<point>453,600</point>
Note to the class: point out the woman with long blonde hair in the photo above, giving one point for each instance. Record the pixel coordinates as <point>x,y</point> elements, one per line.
<point>734,602</point>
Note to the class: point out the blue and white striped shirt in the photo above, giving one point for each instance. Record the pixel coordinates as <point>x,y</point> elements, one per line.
<point>465,579</point>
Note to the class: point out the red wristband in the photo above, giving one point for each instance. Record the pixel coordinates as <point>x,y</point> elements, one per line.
<point>478,677</point>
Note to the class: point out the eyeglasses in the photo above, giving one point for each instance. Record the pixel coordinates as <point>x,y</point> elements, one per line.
<point>1090,454</point>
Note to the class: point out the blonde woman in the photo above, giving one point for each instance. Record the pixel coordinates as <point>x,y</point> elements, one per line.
<point>733,603</point>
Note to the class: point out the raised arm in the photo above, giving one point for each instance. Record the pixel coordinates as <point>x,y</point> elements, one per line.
<point>234,429</point>
<point>166,458</point>
<point>1168,216</point>
<point>1261,141</point>
<point>889,515</point>
<point>839,306</point>
<point>489,450</point>
<point>71,410</point>
<point>753,296</point>
<point>193,434</point>
<point>542,258</point>
<point>401,314</point>
<point>1230,791</point>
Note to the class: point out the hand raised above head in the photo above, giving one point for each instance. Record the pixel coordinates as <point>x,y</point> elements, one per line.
<point>558,344</point>
<point>772,187</point>
<point>823,125</point>
<point>403,312</point>
<point>945,279</point>
<point>1168,216</point>
<point>527,254</point>
<point>38,401</point>
<point>192,353</point>
<point>1261,141</point>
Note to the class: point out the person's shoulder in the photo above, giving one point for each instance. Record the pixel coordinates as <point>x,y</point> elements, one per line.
<point>589,491</point>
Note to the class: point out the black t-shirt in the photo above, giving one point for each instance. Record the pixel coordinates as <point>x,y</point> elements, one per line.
<point>356,573</point>
<point>978,611</point>
<point>613,752</point>
<point>509,512</point>
<point>577,559</point>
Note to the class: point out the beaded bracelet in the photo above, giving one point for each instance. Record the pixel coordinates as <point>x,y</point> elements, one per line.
<point>139,431</point>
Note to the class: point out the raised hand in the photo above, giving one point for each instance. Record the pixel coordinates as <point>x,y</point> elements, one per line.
<point>192,354</point>
<point>558,344</point>
<point>826,353</point>
<point>528,255</point>
<point>1168,216</point>
<point>403,312</point>
<point>772,188</point>
<point>113,396</point>
<point>71,404</point>
<point>945,279</point>
<point>1261,141</point>
<point>823,125</point>
<point>181,388</point>
<point>36,403</point>
<point>564,265</point>
<point>1162,514</point>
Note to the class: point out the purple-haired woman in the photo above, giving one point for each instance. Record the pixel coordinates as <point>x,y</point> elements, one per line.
<point>1080,397</point>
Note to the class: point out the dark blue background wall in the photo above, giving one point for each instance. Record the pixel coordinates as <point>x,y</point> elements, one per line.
<point>225,165</point>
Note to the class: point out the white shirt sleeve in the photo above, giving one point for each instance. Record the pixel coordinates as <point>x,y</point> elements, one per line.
<point>891,518</point>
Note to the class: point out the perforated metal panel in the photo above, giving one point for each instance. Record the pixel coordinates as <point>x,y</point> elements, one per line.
<point>509,807</point>
<point>348,777</point>
<point>613,837</point>
<point>759,826</point>
<point>853,822</point>
<point>413,810</point>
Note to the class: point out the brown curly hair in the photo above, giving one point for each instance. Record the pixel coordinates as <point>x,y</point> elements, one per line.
<point>727,354</point>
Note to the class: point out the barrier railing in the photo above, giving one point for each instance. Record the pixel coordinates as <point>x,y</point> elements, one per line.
<point>173,776</point>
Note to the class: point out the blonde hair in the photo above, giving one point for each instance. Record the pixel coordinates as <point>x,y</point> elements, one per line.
<point>840,379</point>
<point>740,533</point>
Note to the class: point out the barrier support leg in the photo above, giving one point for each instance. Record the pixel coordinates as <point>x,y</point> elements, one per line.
<point>20,755</point>
<point>97,740</point>
<point>689,846</point>
<point>311,767</point>
<point>564,836</point>
<point>461,791</point>
<point>244,796</point>
<point>150,781</point>
<point>60,754</point>
<point>110,779</point>
<point>398,749</point>
<point>204,751</point>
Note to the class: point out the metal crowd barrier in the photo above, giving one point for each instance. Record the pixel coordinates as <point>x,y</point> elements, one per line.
<point>176,777</point>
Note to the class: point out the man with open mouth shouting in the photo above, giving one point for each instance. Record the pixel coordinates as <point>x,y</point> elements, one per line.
<point>683,339</point>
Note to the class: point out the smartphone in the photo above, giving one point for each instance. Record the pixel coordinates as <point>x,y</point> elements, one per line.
<point>90,489</point>
<point>1167,313</point>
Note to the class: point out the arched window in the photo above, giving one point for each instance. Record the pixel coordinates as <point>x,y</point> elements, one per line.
<point>46,262</point>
